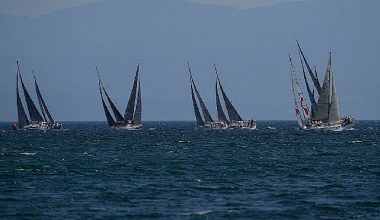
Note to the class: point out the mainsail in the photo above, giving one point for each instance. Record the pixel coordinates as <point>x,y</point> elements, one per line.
<point>206,114</point>
<point>137,114</point>
<point>110,120</point>
<point>323,106</point>
<point>44,110</point>
<point>198,116</point>
<point>22,118</point>
<point>334,115</point>
<point>232,113</point>
<point>131,106</point>
<point>35,116</point>
<point>300,101</point>
<point>310,93</point>
<point>221,116</point>
<point>115,111</point>
<point>312,75</point>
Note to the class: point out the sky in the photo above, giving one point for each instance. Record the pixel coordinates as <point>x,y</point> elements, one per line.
<point>62,41</point>
<point>35,8</point>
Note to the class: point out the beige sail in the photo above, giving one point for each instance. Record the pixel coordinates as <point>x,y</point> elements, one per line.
<point>334,115</point>
<point>323,105</point>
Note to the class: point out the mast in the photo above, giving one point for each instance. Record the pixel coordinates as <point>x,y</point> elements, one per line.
<point>35,116</point>
<point>334,115</point>
<point>232,113</point>
<point>323,106</point>
<point>115,111</point>
<point>129,111</point>
<point>44,110</point>
<point>22,118</point>
<point>313,77</point>
<point>221,116</point>
<point>206,114</point>
<point>110,120</point>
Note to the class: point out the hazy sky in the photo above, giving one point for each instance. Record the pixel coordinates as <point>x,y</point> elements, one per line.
<point>34,8</point>
<point>249,46</point>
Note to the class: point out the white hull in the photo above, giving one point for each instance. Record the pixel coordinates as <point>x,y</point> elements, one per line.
<point>43,126</point>
<point>129,127</point>
<point>246,125</point>
<point>341,125</point>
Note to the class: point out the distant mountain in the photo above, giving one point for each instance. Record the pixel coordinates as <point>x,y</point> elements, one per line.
<point>249,46</point>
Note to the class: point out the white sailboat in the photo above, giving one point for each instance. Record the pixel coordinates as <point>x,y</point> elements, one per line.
<point>325,113</point>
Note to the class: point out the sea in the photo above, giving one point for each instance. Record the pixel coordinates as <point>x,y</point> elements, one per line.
<point>172,170</point>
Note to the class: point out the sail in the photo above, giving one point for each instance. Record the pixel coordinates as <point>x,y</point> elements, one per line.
<point>110,120</point>
<point>313,77</point>
<point>221,116</point>
<point>334,106</point>
<point>206,114</point>
<point>198,116</point>
<point>232,113</point>
<point>310,93</point>
<point>35,116</point>
<point>44,110</point>
<point>115,111</point>
<point>299,99</point>
<point>22,118</point>
<point>323,105</point>
<point>137,115</point>
<point>129,111</point>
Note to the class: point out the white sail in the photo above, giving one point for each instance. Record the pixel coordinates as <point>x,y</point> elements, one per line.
<point>299,99</point>
<point>323,105</point>
<point>334,115</point>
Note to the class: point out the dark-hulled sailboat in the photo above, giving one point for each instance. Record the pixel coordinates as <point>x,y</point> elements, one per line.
<point>132,116</point>
<point>236,121</point>
<point>325,113</point>
<point>36,121</point>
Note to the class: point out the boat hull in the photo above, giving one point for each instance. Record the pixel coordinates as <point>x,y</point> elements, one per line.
<point>129,127</point>
<point>43,126</point>
<point>344,124</point>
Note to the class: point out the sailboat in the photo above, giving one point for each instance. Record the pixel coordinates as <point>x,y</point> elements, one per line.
<point>325,112</point>
<point>204,120</point>
<point>236,121</point>
<point>132,116</point>
<point>36,120</point>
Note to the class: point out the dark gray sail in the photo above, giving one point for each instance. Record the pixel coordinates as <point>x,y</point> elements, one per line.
<point>310,93</point>
<point>129,111</point>
<point>232,113</point>
<point>313,77</point>
<point>22,118</point>
<point>198,116</point>
<point>221,116</point>
<point>323,105</point>
<point>206,114</point>
<point>35,116</point>
<point>45,112</point>
<point>115,111</point>
<point>110,120</point>
<point>137,115</point>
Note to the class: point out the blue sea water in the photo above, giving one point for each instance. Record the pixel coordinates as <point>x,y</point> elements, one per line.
<point>170,170</point>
